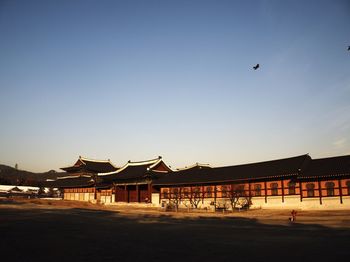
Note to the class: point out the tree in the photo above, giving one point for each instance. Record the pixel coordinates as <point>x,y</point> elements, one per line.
<point>41,191</point>
<point>195,197</point>
<point>51,192</point>
<point>237,197</point>
<point>175,196</point>
<point>4,181</point>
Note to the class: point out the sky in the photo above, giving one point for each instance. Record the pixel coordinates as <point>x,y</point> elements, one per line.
<point>134,80</point>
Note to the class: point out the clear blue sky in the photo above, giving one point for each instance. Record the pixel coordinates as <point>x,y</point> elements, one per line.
<point>137,79</point>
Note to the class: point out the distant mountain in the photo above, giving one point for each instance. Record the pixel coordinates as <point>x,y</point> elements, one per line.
<point>12,176</point>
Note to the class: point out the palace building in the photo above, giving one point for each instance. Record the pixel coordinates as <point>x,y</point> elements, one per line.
<point>86,166</point>
<point>81,182</point>
<point>133,181</point>
<point>298,182</point>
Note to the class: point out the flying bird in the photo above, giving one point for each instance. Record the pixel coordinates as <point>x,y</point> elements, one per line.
<point>349,48</point>
<point>256,67</point>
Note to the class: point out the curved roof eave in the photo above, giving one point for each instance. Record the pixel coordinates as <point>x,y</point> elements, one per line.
<point>224,180</point>
<point>97,161</point>
<point>152,163</point>
<point>192,166</point>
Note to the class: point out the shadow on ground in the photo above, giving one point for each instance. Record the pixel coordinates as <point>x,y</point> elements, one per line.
<point>79,234</point>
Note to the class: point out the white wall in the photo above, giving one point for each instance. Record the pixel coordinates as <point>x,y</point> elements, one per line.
<point>275,202</point>
<point>155,199</point>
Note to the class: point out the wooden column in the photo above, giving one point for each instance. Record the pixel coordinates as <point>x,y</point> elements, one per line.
<point>215,193</point>
<point>126,194</point>
<point>202,194</point>
<point>191,195</point>
<point>265,184</point>
<point>115,193</point>
<point>320,191</point>
<point>137,194</point>
<point>282,181</point>
<point>340,191</point>
<point>149,187</point>
<point>249,190</point>
<point>180,193</point>
<point>300,191</point>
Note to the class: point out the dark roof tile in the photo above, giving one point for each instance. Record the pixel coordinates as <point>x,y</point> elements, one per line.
<point>133,170</point>
<point>69,182</point>
<point>267,169</point>
<point>90,165</point>
<point>327,167</point>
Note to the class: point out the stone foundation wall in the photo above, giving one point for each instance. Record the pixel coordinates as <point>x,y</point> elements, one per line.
<point>273,202</point>
<point>107,199</point>
<point>79,196</point>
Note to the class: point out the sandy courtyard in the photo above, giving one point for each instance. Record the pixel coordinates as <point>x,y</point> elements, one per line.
<point>70,231</point>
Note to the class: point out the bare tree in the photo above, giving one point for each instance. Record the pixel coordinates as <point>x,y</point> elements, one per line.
<point>185,197</point>
<point>175,197</point>
<point>41,191</point>
<point>238,198</point>
<point>195,197</point>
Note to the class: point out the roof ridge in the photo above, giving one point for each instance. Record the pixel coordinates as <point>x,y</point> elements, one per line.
<point>73,165</point>
<point>94,160</point>
<point>98,161</point>
<point>153,160</point>
<point>261,162</point>
<point>330,157</point>
<point>152,163</point>
<point>65,177</point>
<point>192,166</point>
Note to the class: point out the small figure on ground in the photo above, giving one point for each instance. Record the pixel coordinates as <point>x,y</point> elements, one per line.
<point>294,216</point>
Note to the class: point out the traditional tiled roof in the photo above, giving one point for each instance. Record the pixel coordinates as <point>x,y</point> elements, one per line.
<point>71,181</point>
<point>133,170</point>
<point>8,188</point>
<point>196,165</point>
<point>261,170</point>
<point>91,165</point>
<point>327,167</point>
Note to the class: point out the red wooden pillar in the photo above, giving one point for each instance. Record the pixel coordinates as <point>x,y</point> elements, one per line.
<point>115,193</point>
<point>340,191</point>
<point>320,191</point>
<point>301,191</point>
<point>215,195</point>
<point>137,194</point>
<point>265,185</point>
<point>202,194</point>
<point>282,181</point>
<point>126,194</point>
<point>249,190</point>
<point>191,194</point>
<point>160,195</point>
<point>149,188</point>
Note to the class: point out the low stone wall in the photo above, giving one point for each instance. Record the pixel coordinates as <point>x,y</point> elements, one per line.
<point>155,199</point>
<point>272,202</point>
<point>79,196</point>
<point>107,199</point>
<point>133,204</point>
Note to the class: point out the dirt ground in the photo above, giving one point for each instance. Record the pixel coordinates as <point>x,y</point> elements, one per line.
<point>47,230</point>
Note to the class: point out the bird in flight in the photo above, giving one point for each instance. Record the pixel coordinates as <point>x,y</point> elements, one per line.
<point>349,48</point>
<point>256,67</point>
